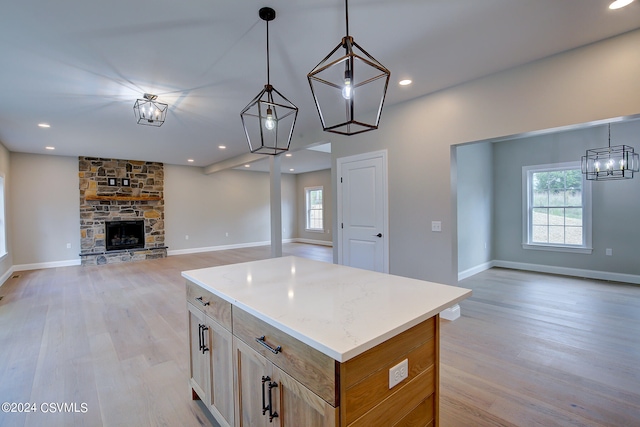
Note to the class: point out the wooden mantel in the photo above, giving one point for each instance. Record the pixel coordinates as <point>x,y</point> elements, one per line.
<point>123,198</point>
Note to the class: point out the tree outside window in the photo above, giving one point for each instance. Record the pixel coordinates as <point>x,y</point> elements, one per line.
<point>557,206</point>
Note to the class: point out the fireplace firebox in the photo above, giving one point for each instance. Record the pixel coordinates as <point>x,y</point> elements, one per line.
<point>124,234</point>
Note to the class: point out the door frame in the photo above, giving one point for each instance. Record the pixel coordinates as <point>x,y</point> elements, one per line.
<point>385,200</point>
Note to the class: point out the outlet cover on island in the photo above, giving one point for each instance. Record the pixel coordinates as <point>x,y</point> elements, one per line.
<point>398,373</point>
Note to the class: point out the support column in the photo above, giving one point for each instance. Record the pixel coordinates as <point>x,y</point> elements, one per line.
<point>275,187</point>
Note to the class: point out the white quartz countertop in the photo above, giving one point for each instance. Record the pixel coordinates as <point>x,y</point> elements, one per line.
<point>340,311</point>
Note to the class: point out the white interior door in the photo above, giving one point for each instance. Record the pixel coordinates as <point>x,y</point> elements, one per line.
<point>362,211</point>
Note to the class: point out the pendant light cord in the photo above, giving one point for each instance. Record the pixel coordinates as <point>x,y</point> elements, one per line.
<point>268,71</point>
<point>346,14</point>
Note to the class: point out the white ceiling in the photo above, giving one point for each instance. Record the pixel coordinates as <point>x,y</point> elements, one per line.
<point>80,65</point>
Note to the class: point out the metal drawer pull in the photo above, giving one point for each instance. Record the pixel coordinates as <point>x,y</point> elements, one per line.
<point>203,346</point>
<point>201,301</point>
<point>272,414</point>
<point>267,346</point>
<point>265,408</point>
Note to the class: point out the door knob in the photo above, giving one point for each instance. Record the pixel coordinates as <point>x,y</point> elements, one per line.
<point>378,235</point>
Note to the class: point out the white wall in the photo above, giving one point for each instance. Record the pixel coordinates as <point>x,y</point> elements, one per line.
<point>595,82</point>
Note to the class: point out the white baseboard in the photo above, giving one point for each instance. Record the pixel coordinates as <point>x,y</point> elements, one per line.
<point>40,265</point>
<point>451,313</point>
<point>242,245</point>
<point>313,242</point>
<point>6,275</point>
<point>475,270</point>
<point>563,271</point>
<point>215,248</point>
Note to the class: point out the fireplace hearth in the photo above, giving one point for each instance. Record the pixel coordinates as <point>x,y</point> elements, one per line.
<point>124,235</point>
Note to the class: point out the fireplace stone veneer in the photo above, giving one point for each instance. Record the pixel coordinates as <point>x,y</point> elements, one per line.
<point>142,199</point>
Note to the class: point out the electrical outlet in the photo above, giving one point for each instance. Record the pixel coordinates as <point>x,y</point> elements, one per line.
<point>226,234</point>
<point>398,373</point>
<point>186,237</point>
<point>609,251</point>
<point>68,245</point>
<point>436,226</point>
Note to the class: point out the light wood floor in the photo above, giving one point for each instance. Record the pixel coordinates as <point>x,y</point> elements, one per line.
<point>529,349</point>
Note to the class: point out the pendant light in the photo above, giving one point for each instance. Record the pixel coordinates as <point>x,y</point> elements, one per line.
<point>349,87</point>
<point>609,163</point>
<point>269,119</point>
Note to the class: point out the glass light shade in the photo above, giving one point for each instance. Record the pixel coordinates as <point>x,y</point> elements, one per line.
<point>356,108</point>
<point>150,112</point>
<point>608,163</point>
<point>268,121</point>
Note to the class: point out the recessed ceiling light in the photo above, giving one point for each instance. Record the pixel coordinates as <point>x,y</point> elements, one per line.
<point>190,160</point>
<point>50,148</point>
<point>44,125</point>
<point>617,4</point>
<point>404,82</point>
<point>222,147</point>
<point>288,155</point>
<point>247,166</point>
<point>291,170</point>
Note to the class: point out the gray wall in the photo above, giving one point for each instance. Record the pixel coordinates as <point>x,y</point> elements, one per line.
<point>418,135</point>
<point>206,207</point>
<point>616,204</point>
<point>5,170</point>
<point>315,179</point>
<point>45,208</point>
<point>475,205</point>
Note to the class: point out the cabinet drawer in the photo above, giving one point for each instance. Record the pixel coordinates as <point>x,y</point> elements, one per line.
<point>314,369</point>
<point>212,305</point>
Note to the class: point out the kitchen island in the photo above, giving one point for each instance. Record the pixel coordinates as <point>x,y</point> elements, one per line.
<point>300,342</point>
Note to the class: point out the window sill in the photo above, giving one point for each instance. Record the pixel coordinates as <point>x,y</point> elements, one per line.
<point>314,230</point>
<point>575,250</point>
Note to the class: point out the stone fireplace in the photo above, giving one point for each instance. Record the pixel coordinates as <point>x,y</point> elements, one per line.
<point>121,210</point>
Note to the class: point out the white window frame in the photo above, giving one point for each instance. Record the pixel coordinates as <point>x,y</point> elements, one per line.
<point>3,218</point>
<point>527,201</point>
<point>307,201</point>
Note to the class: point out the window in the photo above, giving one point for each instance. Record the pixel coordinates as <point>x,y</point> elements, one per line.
<point>556,208</point>
<point>314,208</point>
<point>3,223</point>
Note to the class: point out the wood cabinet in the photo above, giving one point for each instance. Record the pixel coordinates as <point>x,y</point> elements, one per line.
<point>268,396</point>
<point>211,355</point>
<point>253,374</point>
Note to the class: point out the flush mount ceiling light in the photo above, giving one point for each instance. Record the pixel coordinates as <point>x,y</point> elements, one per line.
<point>349,87</point>
<point>269,119</point>
<point>609,163</point>
<point>150,112</point>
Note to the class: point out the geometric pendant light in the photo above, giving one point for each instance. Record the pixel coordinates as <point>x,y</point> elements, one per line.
<point>349,87</point>
<point>268,120</point>
<point>610,163</point>
<point>150,112</point>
